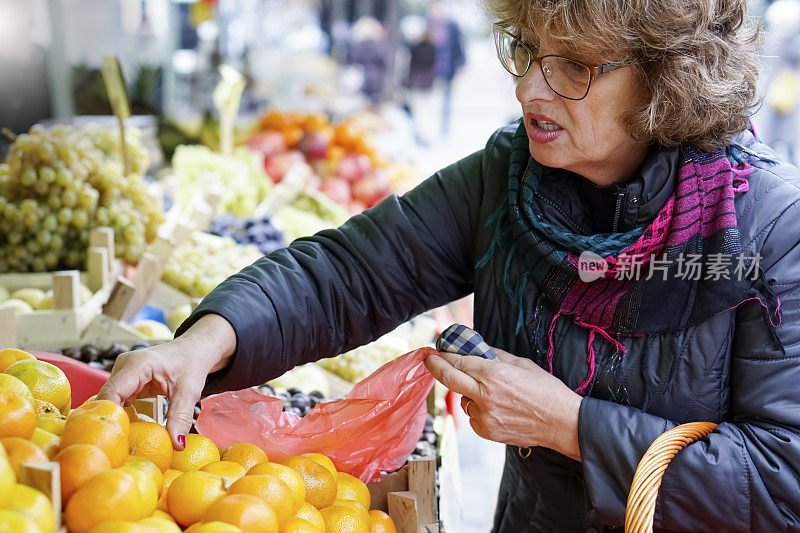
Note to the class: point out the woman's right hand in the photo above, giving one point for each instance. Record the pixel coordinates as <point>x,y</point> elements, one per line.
<point>176,369</point>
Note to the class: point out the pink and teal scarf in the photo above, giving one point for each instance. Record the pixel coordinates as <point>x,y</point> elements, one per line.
<point>698,221</point>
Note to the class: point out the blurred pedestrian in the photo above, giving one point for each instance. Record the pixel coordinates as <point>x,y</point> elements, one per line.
<point>419,81</point>
<point>369,48</point>
<point>450,56</point>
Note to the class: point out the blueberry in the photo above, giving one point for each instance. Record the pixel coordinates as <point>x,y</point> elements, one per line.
<point>316,395</point>
<point>300,401</point>
<point>294,390</point>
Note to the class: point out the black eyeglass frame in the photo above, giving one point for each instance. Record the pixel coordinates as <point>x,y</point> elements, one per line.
<point>594,70</point>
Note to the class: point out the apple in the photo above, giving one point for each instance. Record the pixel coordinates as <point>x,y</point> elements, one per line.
<point>337,190</point>
<point>372,188</point>
<point>267,143</point>
<point>279,164</point>
<point>356,207</point>
<point>314,145</point>
<point>353,167</point>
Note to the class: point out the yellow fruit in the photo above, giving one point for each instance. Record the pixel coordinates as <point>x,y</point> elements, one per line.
<point>147,489</point>
<point>270,489</point>
<point>320,484</point>
<point>30,296</point>
<point>79,463</point>
<point>246,512</point>
<point>162,515</point>
<point>191,494</point>
<point>310,514</point>
<point>227,469</point>
<point>290,477</point>
<point>17,417</point>
<point>101,423</point>
<point>351,488</point>
<point>9,356</point>
<point>198,452</point>
<point>298,525</point>
<point>46,382</point>
<point>151,441</point>
<point>345,519</point>
<point>33,504</point>
<point>121,526</point>
<point>48,417</point>
<point>16,522</point>
<point>381,522</point>
<point>7,477</point>
<point>148,468</point>
<point>46,441</point>
<point>323,460</point>
<point>161,524</point>
<point>213,527</point>
<point>169,476</point>
<point>22,451</point>
<point>246,454</point>
<point>110,495</point>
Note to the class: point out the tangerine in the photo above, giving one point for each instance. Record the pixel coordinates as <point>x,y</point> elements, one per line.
<point>351,488</point>
<point>270,489</point>
<point>290,477</point>
<point>191,494</point>
<point>22,451</point>
<point>109,495</point>
<point>381,522</point>
<point>151,441</point>
<point>227,469</point>
<point>9,356</point>
<point>244,511</point>
<point>198,452</point>
<point>345,519</point>
<point>33,504</point>
<point>45,380</point>
<point>246,454</point>
<point>79,463</point>
<point>320,484</point>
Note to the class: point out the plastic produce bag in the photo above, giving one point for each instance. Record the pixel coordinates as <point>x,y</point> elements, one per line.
<point>374,429</point>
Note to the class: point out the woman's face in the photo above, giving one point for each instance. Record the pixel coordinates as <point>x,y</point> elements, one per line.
<point>590,139</point>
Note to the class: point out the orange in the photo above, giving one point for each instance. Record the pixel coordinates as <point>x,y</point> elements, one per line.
<point>16,522</point>
<point>7,477</point>
<point>79,463</point>
<point>352,504</point>
<point>351,488</point>
<point>121,526</point>
<point>17,417</point>
<point>22,451</point>
<point>101,423</point>
<point>166,481</point>
<point>48,417</point>
<point>270,489</point>
<point>9,356</point>
<point>148,490</point>
<point>46,441</point>
<point>151,441</point>
<point>161,524</point>
<point>33,504</point>
<point>228,469</point>
<point>199,452</point>
<point>46,381</point>
<point>323,460</point>
<point>213,527</point>
<point>320,484</point>
<point>246,454</point>
<point>310,514</point>
<point>290,477</point>
<point>191,494</point>
<point>152,471</point>
<point>381,522</point>
<point>298,525</point>
<point>246,512</point>
<point>110,495</point>
<point>345,519</point>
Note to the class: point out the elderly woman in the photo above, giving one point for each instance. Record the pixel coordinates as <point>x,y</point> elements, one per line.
<point>629,241</point>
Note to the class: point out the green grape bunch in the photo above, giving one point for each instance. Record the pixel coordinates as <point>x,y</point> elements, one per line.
<point>59,183</point>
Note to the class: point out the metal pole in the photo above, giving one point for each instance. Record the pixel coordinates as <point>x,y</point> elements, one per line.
<point>59,74</point>
<point>393,29</point>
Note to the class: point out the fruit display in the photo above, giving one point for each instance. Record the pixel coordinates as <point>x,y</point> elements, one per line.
<point>348,168</point>
<point>239,178</point>
<point>206,261</point>
<point>120,473</point>
<point>59,183</point>
<point>260,233</point>
<point>30,299</point>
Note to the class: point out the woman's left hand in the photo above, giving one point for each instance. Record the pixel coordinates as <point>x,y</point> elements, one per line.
<point>512,400</point>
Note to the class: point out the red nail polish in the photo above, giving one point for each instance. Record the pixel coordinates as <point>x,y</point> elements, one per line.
<point>182,440</point>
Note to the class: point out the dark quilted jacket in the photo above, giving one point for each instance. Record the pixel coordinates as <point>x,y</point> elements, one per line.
<point>345,287</point>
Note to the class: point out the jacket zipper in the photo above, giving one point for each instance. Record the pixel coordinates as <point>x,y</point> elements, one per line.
<point>618,210</point>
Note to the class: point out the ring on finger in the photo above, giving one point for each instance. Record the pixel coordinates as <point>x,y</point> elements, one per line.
<point>467,406</point>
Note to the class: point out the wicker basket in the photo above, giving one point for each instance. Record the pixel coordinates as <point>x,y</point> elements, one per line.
<point>647,480</point>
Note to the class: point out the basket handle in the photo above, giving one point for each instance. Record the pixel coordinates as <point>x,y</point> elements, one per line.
<point>647,479</point>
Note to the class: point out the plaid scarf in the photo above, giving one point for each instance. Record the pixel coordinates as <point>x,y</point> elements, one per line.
<point>698,221</point>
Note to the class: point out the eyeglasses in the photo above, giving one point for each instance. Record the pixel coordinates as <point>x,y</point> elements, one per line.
<point>567,78</point>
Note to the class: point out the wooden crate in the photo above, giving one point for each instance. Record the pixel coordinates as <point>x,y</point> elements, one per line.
<point>45,477</point>
<point>409,496</point>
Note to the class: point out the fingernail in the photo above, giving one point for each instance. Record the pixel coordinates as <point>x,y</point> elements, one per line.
<point>182,440</point>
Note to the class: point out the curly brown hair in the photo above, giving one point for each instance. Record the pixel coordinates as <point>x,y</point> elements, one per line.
<point>697,59</point>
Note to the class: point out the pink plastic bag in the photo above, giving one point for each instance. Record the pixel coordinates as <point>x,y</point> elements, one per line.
<point>374,429</point>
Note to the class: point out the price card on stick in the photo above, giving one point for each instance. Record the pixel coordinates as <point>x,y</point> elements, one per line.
<point>227,96</point>
<point>117,96</point>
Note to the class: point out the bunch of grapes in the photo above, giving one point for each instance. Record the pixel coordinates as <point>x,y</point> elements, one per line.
<point>59,183</point>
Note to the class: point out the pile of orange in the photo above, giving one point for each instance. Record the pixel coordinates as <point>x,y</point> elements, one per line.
<point>119,473</point>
